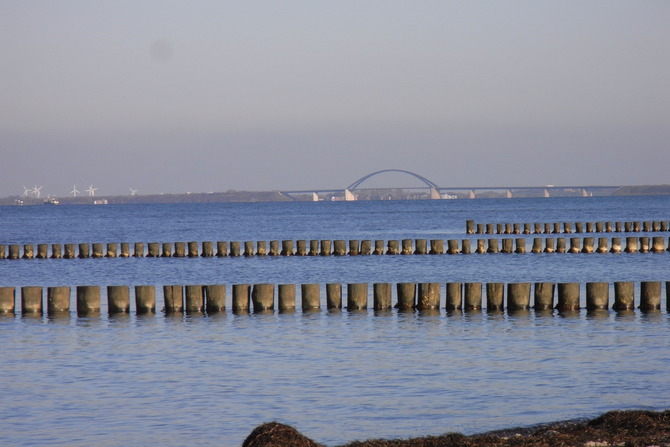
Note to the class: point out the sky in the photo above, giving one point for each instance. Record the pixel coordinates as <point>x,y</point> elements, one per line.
<point>214,95</point>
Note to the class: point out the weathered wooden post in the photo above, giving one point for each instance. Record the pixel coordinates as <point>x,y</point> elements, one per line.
<point>84,250</point>
<point>547,228</point>
<point>452,247</point>
<point>221,249</point>
<point>557,227</point>
<point>301,247</point>
<point>138,250</point>
<point>118,299</point>
<point>42,251</point>
<point>166,250</point>
<point>326,248</point>
<point>125,250</point>
<point>88,300</point>
<point>658,245</point>
<point>616,245</point>
<point>617,227</point>
<point>568,297</point>
<point>469,226</point>
<point>207,249</point>
<point>28,251</point>
<point>179,250</point>
<point>644,244</point>
<point>500,228</point>
<point>537,228</point>
<point>454,296</point>
<point>489,228</point>
<point>357,296</point>
<point>379,247</point>
<point>560,245</point>
<point>664,225</point>
<point>602,245</point>
<point>112,250</point>
<point>286,297</point>
<point>287,247</point>
<point>624,296</point>
<point>153,250</point>
<point>31,300</point>
<point>579,227</point>
<point>263,297</point>
<point>589,227</point>
<point>507,246</point>
<point>636,226</point>
<point>481,246</point>
<point>543,295</point>
<point>334,296</point>
<point>465,247</point>
<point>517,229</point>
<point>480,228</point>
<point>537,245</point>
<point>473,296</point>
<point>574,245</point>
<point>58,300</point>
<point>588,245</point>
<point>428,296</point>
<point>493,246</point>
<point>339,247</point>
<point>437,246</point>
<point>248,249</point>
<point>650,295</point>
<point>631,244</point>
<point>313,248</point>
<point>520,244</point>
<point>261,248</point>
<point>68,251</point>
<point>193,249</point>
<point>406,295</point>
<point>406,247</point>
<point>495,292</point>
<point>381,293</point>
<point>567,227</point>
<point>194,302</point>
<point>235,249</point>
<point>608,227</point>
<point>366,247</point>
<point>518,296</point>
<point>628,227</point>
<point>354,249</point>
<point>7,300</point>
<point>311,296</point>
<point>597,295</point>
<point>145,299</point>
<point>97,251</point>
<point>3,251</point>
<point>393,247</point>
<point>599,227</point>
<point>215,298</point>
<point>173,297</point>
<point>274,248</point>
<point>549,245</point>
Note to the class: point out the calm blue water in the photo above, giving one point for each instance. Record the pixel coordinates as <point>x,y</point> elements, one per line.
<point>335,376</point>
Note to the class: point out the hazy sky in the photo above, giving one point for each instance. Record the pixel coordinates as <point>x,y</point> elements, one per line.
<point>212,95</point>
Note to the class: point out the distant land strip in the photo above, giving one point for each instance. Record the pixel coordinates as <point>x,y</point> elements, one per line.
<point>267,196</point>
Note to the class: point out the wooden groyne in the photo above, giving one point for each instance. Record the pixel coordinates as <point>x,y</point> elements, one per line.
<point>471,227</point>
<point>432,296</point>
<point>339,247</point>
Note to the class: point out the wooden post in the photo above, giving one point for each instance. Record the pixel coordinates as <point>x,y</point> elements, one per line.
<point>549,245</point>
<point>334,296</point>
<point>194,302</point>
<point>406,295</point>
<point>599,227</point>
<point>3,252</point>
<point>311,296</point>
<point>568,297</point>
<point>507,246</point>
<point>473,296</point>
<point>118,299</point>
<point>215,298</point>
<point>28,251</point>
<point>261,248</point>
<point>480,228</point>
<point>518,296</point>
<point>68,251</point>
<point>560,245</point>
<point>520,244</point>
<point>180,250</point>
<point>42,251</point>
<point>125,250</point>
<point>567,227</point>
<point>537,245</point>
<point>452,247</point>
<point>339,247</point>
<point>138,250</point>
<point>557,228</point>
<point>88,300</point>
<point>597,295</point>
<point>493,246</point>
<point>274,248</point>
<point>354,248</point>
<point>631,244</point>
<point>166,250</point>
<point>286,297</point>
<point>207,249</point>
<point>7,300</point>
<point>84,250</point>
<point>248,249</point>
<point>287,247</point>
<point>31,300</point>
<point>537,228</point>
<point>616,245</point>
<point>617,227</point>
<point>58,300</point>
<point>381,296</point>
<point>469,226</point>
<point>589,227</point>
<point>543,296</point>
<point>357,296</point>
<point>145,299</point>
<point>263,297</point>
<point>97,251</point>
<point>579,227</point>
<point>650,295</point>
<point>235,249</point>
<point>658,245</point>
<point>495,292</point>
<point>644,244</point>
<point>173,297</point>
<point>588,245</point>
<point>406,247</point>
<point>112,250</point>
<point>428,296</point>
<point>301,249</point>
<point>624,296</point>
<point>325,248</point>
<point>437,246</point>
<point>379,247</point>
<point>465,247</point>
<point>454,296</point>
<point>489,228</point>
<point>366,247</point>
<point>574,245</point>
<point>602,245</point>
<point>313,248</point>
<point>193,249</point>
<point>221,249</point>
<point>517,229</point>
<point>393,248</point>
<point>481,246</point>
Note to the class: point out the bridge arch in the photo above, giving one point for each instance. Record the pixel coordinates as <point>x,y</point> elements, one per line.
<point>358,182</point>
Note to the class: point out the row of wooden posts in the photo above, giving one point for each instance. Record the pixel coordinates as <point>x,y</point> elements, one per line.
<point>340,247</point>
<point>261,297</point>
<point>567,227</point>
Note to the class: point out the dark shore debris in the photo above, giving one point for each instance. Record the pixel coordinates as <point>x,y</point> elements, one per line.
<point>629,428</point>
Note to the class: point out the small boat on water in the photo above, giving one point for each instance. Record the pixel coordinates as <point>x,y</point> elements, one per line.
<point>51,201</point>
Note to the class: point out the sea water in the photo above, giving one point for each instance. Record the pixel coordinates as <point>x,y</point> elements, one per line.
<point>339,376</point>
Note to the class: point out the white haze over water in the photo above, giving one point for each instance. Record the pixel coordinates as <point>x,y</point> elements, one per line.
<point>169,96</point>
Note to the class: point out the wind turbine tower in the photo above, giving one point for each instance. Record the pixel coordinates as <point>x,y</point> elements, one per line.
<point>133,192</point>
<point>36,191</point>
<point>74,191</point>
<point>91,191</point>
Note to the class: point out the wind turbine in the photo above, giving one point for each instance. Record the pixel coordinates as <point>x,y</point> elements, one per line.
<point>91,191</point>
<point>26,191</point>
<point>36,191</point>
<point>74,191</point>
<point>133,192</point>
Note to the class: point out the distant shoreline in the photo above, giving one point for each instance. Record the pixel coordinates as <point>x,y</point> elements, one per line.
<point>272,196</point>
